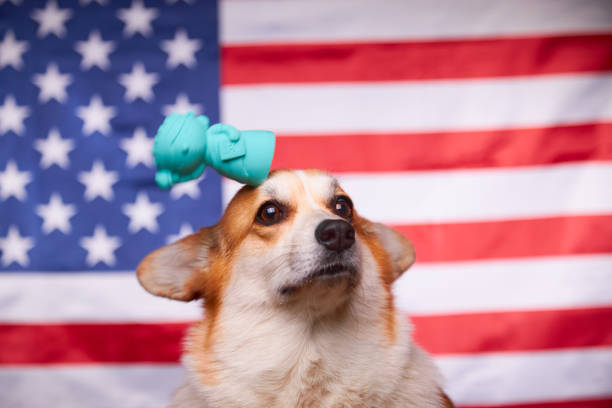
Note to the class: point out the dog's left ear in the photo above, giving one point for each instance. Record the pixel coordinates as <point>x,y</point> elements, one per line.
<point>180,270</point>
<point>399,248</point>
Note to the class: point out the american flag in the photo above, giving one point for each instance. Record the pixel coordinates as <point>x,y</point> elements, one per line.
<point>482,129</point>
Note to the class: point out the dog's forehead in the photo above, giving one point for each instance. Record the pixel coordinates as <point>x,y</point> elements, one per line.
<point>308,185</point>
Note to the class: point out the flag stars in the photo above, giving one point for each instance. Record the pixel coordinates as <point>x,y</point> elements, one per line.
<point>13,182</point>
<point>96,116</point>
<point>181,50</point>
<point>12,116</point>
<point>139,148</point>
<point>181,106</point>
<point>51,19</point>
<point>15,248</point>
<point>56,215</point>
<point>11,51</point>
<point>138,83</point>
<point>143,214</point>
<point>98,182</point>
<point>94,52</point>
<point>100,247</point>
<point>189,188</point>
<point>137,19</point>
<point>52,84</point>
<point>54,150</point>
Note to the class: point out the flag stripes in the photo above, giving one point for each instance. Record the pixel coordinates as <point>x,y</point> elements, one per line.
<point>94,386</point>
<point>482,130</point>
<point>27,344</point>
<point>477,195</point>
<point>404,61</point>
<point>511,378</point>
<point>387,152</point>
<point>479,129</point>
<point>444,105</point>
<point>428,288</point>
<point>268,22</point>
<point>473,378</point>
<point>522,284</point>
<point>464,241</point>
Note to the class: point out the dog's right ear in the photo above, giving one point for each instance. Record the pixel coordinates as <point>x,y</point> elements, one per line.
<point>178,271</point>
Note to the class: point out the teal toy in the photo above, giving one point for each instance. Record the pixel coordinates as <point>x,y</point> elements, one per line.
<point>185,144</point>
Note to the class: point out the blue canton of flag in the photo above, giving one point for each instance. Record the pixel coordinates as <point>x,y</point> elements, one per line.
<point>84,86</point>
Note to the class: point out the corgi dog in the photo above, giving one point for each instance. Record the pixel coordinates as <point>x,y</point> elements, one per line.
<point>296,290</point>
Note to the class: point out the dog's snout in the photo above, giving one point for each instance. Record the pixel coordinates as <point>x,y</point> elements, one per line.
<point>335,235</point>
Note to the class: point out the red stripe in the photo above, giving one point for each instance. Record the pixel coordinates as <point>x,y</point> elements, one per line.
<point>160,343</point>
<point>88,343</point>
<point>425,60</point>
<point>475,149</point>
<point>599,403</point>
<point>511,238</point>
<point>514,331</point>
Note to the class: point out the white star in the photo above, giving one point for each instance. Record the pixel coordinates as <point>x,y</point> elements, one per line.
<point>139,148</point>
<point>15,247</point>
<point>190,188</point>
<point>98,182</point>
<point>54,150</point>
<point>94,51</point>
<point>182,106</point>
<point>137,19</point>
<point>56,215</point>
<point>12,116</point>
<point>51,19</point>
<point>96,116</point>
<point>183,232</point>
<point>138,83</point>
<point>100,247</point>
<point>181,50</point>
<point>13,182</point>
<point>52,84</point>
<point>11,51</point>
<point>143,214</point>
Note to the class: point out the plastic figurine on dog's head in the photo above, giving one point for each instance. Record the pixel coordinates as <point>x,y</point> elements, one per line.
<point>185,145</point>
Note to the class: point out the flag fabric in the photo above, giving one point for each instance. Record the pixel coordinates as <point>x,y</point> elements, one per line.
<point>480,129</point>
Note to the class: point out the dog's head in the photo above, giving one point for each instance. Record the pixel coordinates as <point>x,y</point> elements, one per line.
<point>296,241</point>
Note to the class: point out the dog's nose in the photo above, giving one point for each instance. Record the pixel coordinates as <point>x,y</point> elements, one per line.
<point>335,235</point>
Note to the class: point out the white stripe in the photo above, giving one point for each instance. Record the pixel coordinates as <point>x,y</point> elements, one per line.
<point>459,287</point>
<point>420,105</point>
<point>91,386</point>
<point>477,195</point>
<point>88,297</point>
<point>522,284</point>
<point>492,378</point>
<point>251,22</point>
<point>505,378</point>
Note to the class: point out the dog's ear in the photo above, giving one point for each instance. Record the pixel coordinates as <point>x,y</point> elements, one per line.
<point>399,248</point>
<point>177,271</point>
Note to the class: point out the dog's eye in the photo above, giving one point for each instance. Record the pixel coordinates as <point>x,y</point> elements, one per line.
<point>269,213</point>
<point>343,207</point>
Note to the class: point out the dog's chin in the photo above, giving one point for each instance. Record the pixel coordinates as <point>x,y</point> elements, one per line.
<point>328,277</point>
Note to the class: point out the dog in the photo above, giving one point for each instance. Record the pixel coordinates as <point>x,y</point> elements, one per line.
<point>299,312</point>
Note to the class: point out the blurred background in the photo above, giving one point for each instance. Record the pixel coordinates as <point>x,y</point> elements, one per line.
<point>482,129</point>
